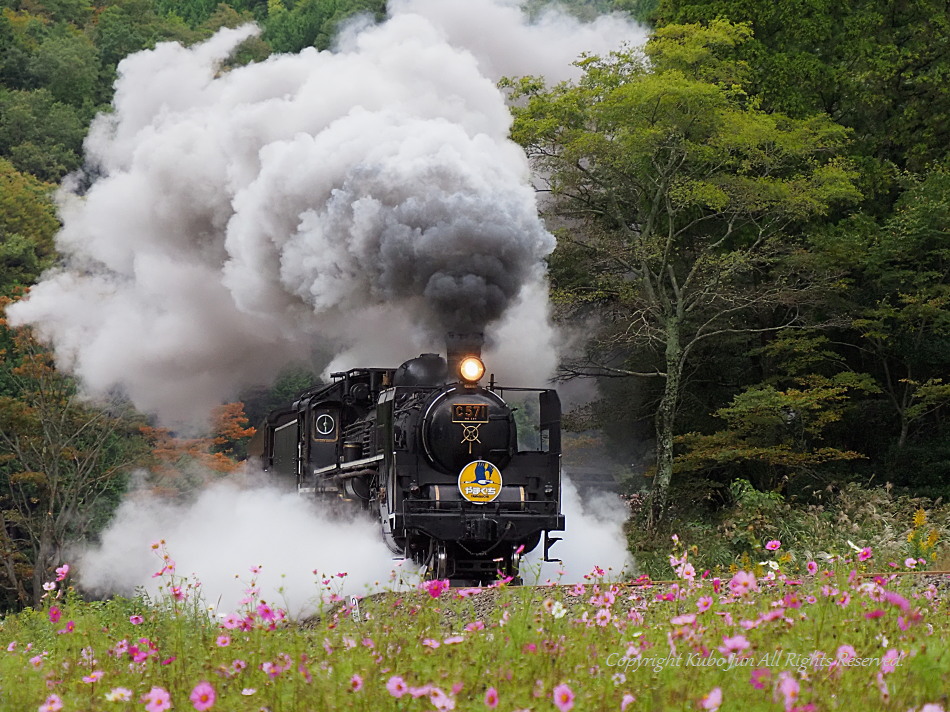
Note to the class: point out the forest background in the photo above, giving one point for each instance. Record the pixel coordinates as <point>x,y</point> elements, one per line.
<point>752,222</point>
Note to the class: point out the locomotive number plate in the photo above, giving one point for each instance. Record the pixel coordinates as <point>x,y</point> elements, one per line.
<point>469,412</point>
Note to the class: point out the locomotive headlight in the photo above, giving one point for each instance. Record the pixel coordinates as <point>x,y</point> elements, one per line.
<point>471,369</point>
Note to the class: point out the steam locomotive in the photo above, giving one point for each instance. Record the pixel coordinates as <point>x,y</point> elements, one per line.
<point>461,481</point>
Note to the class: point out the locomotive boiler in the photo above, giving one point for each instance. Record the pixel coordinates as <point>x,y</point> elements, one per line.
<point>463,478</point>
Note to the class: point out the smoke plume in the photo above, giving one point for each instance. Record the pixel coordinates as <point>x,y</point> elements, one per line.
<point>293,546</point>
<point>230,535</point>
<point>364,200</point>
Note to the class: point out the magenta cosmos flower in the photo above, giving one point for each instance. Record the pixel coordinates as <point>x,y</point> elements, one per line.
<point>491,698</point>
<point>773,545</point>
<point>563,697</point>
<point>396,686</point>
<point>202,697</point>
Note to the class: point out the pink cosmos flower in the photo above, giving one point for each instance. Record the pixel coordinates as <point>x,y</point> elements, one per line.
<point>396,686</point>
<point>417,692</point>
<point>910,563</point>
<point>435,587</point>
<point>891,659</point>
<point>760,677</point>
<point>704,603</point>
<point>685,619</point>
<point>491,698</point>
<point>440,700</point>
<point>54,614</point>
<point>812,567</point>
<point>742,583</point>
<point>882,687</point>
<point>711,700</point>
<point>223,641</point>
<point>265,612</point>
<point>627,700</point>
<point>563,697</point>
<point>202,697</point>
<point>452,640</point>
<point>430,643</point>
<point>136,620</point>
<point>845,654</point>
<point>53,704</point>
<point>92,677</point>
<point>686,571</point>
<point>788,688</point>
<point>773,545</point>
<point>876,613</point>
<point>231,621</point>
<point>157,700</point>
<point>897,600</point>
<point>70,627</point>
<point>62,572</point>
<point>865,554</point>
<point>733,645</point>
<point>356,683</point>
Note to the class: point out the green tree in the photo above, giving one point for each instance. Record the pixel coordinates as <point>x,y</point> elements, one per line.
<point>312,23</point>
<point>40,135</point>
<point>900,301</point>
<point>27,225</point>
<point>132,25</point>
<point>681,199</point>
<point>62,467</point>
<point>880,67</point>
<point>67,64</point>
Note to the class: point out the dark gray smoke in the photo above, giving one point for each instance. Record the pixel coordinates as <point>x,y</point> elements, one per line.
<point>366,198</point>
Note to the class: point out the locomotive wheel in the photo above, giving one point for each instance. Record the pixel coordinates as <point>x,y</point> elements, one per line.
<point>438,563</point>
<point>514,566</point>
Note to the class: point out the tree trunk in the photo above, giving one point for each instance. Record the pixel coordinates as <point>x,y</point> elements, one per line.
<point>666,422</point>
<point>41,565</point>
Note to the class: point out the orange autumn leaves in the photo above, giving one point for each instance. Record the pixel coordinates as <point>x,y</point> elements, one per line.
<point>218,452</point>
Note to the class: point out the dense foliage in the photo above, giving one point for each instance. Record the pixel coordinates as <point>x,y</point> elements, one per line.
<point>813,348</point>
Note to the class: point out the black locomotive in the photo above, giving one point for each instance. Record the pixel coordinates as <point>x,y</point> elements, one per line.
<point>461,481</point>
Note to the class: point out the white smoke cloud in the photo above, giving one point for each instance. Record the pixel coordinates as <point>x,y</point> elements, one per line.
<point>506,44</point>
<point>593,537</point>
<point>236,219</point>
<point>227,530</point>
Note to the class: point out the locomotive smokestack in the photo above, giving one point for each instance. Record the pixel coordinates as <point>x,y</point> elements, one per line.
<point>458,345</point>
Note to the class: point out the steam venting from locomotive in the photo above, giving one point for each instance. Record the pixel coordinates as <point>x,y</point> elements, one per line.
<point>365,200</point>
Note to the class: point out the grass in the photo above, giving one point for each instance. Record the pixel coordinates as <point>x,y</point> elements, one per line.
<point>787,640</point>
